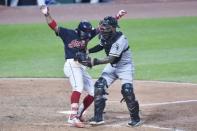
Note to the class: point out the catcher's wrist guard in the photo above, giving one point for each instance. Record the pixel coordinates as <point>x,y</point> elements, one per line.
<point>95,61</point>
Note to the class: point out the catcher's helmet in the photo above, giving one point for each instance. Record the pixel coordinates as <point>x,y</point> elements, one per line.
<point>84,29</point>
<point>108,27</point>
<point>109,20</point>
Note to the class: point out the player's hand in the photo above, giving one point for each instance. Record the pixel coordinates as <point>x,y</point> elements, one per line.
<point>84,59</point>
<point>120,14</point>
<point>44,9</point>
<point>88,62</point>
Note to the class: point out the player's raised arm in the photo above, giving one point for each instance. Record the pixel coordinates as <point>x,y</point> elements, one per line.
<point>120,14</point>
<point>50,21</point>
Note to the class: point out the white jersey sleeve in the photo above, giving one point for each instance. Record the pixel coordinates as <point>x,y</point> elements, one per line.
<point>119,46</point>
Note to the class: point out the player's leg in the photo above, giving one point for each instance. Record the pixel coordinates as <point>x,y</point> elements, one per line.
<point>99,101</point>
<point>76,80</point>
<point>88,100</point>
<point>100,93</point>
<point>128,94</point>
<point>132,104</point>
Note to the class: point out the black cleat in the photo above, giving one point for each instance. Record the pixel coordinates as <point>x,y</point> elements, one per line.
<point>94,121</point>
<point>135,123</point>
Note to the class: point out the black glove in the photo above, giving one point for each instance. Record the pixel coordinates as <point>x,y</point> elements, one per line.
<point>84,59</point>
<point>80,56</point>
<point>88,62</point>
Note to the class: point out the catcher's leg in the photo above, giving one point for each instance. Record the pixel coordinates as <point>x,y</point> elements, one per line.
<point>99,101</point>
<point>132,104</point>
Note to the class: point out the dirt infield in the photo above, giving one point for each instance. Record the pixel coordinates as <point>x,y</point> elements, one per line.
<point>37,104</point>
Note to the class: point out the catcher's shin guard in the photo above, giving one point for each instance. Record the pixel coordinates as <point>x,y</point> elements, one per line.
<point>99,99</point>
<point>132,104</point>
<point>99,106</point>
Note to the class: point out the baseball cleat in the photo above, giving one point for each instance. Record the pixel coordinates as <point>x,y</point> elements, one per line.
<point>135,123</point>
<point>97,122</point>
<point>82,119</point>
<point>93,121</point>
<point>76,123</point>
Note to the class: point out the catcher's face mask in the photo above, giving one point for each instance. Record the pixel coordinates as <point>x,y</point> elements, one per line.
<point>106,30</point>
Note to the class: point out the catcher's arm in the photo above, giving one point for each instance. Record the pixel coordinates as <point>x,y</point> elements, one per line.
<point>50,21</point>
<point>94,49</point>
<point>120,14</point>
<point>108,59</point>
<point>92,62</point>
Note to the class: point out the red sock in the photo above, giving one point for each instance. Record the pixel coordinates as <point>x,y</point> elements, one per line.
<point>87,102</point>
<point>75,97</point>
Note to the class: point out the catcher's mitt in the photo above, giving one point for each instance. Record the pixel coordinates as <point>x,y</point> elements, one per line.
<point>84,59</point>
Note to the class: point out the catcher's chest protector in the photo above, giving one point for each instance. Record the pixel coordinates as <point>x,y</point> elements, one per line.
<point>107,44</point>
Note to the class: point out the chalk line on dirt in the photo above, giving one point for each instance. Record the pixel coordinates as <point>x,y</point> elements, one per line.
<point>161,128</point>
<point>121,124</point>
<point>161,103</point>
<point>124,124</point>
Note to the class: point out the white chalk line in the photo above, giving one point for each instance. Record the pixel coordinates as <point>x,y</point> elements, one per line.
<point>161,128</point>
<point>161,103</point>
<point>167,82</point>
<point>116,125</point>
<point>168,103</point>
<point>65,112</point>
<point>121,124</point>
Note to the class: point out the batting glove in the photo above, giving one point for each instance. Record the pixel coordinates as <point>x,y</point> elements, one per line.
<point>44,9</point>
<point>120,14</point>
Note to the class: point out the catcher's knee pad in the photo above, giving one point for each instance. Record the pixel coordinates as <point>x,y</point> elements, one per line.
<point>100,86</point>
<point>127,92</point>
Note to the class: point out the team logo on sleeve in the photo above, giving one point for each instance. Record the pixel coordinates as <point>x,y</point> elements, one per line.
<point>117,46</point>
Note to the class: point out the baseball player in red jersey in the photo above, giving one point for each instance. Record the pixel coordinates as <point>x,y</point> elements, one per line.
<point>75,43</point>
